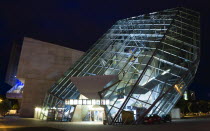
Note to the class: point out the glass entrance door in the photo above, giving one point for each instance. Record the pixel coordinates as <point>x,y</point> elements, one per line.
<point>96,115</point>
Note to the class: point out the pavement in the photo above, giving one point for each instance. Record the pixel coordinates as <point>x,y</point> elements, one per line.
<point>31,124</point>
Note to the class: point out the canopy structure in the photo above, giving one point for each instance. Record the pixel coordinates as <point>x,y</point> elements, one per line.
<point>89,86</point>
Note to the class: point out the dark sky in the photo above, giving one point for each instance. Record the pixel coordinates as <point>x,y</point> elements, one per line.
<point>79,23</point>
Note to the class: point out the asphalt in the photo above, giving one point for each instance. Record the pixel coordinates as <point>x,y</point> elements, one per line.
<point>31,124</point>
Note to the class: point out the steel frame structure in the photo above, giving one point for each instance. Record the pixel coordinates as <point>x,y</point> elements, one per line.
<point>155,56</point>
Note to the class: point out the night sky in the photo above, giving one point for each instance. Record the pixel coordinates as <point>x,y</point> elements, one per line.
<point>78,24</point>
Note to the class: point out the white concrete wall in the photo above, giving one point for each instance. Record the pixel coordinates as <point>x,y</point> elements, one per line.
<point>80,111</point>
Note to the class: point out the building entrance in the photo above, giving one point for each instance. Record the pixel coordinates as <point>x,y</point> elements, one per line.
<point>96,115</point>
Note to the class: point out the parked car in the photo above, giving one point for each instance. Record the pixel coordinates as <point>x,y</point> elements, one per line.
<point>147,120</point>
<point>152,119</point>
<point>166,118</point>
<point>156,118</point>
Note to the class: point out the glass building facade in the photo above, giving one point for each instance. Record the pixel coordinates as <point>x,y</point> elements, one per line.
<point>155,57</point>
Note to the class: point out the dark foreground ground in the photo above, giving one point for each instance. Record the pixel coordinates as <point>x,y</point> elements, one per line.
<point>30,124</point>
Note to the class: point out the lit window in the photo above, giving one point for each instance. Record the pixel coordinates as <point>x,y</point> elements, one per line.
<point>98,102</point>
<point>84,102</point>
<point>75,102</point>
<point>107,102</point>
<point>71,102</point>
<point>93,102</point>
<point>103,102</point>
<point>88,102</point>
<point>80,102</point>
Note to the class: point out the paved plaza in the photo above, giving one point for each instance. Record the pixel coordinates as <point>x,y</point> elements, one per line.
<point>30,124</point>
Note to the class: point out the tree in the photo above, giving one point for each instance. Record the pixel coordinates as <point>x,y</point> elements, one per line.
<point>183,105</point>
<point>15,106</point>
<point>5,106</point>
<point>203,106</point>
<point>194,107</point>
<point>189,106</point>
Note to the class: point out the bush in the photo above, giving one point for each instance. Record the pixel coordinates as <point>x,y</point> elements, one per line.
<point>5,106</point>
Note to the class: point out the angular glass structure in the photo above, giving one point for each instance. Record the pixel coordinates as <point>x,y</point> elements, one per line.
<point>155,57</point>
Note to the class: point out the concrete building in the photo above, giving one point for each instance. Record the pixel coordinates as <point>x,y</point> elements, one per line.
<point>41,64</point>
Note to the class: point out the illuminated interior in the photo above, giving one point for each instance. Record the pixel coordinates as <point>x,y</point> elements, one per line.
<point>86,102</point>
<point>17,90</point>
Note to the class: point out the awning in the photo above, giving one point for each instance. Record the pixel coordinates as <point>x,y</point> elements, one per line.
<point>89,86</point>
